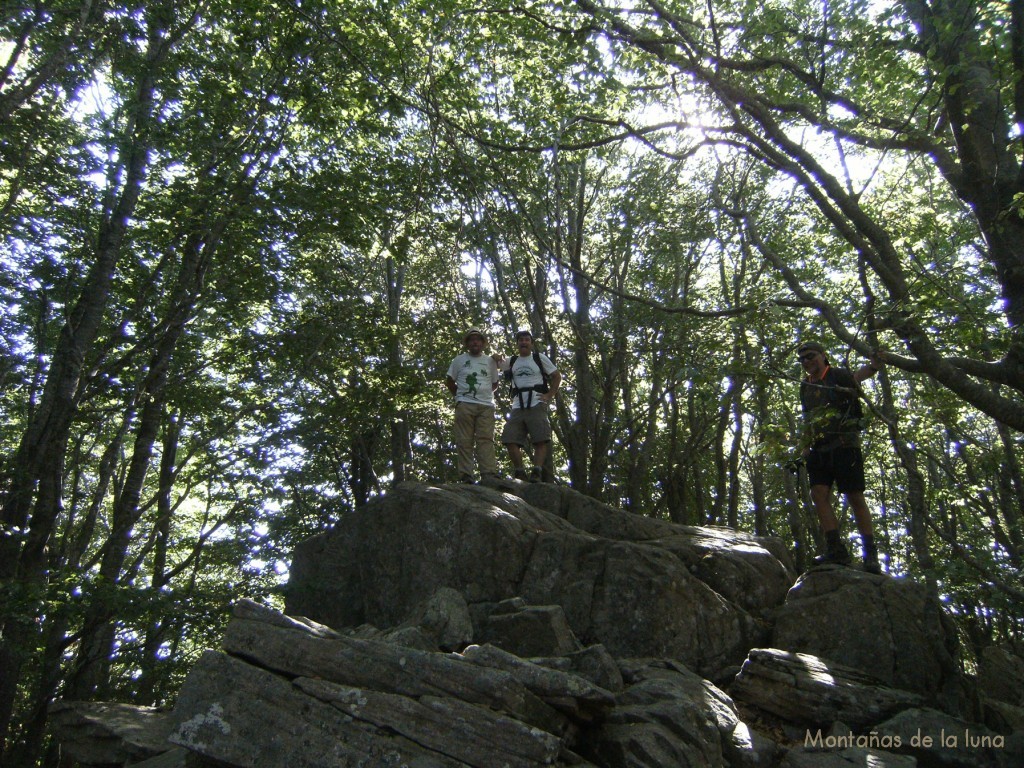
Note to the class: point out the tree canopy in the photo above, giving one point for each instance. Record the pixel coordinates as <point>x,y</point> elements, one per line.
<point>242,240</point>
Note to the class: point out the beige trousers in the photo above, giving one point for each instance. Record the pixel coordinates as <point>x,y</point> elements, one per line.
<point>474,428</point>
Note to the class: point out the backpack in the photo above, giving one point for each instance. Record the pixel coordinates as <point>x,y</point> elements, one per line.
<point>514,391</point>
<point>847,404</point>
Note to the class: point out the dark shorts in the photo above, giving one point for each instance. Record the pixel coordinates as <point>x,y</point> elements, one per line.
<point>527,426</point>
<point>842,465</point>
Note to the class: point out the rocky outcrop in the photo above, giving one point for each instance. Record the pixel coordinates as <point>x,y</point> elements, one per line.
<point>891,629</point>
<point>1001,689</point>
<point>638,586</point>
<point>103,733</point>
<point>525,625</point>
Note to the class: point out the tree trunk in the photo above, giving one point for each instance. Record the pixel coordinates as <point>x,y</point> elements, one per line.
<point>35,486</point>
<point>917,504</point>
<point>94,655</point>
<point>400,443</point>
<point>149,662</point>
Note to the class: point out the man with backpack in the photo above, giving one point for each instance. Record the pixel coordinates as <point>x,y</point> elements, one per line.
<point>829,398</point>
<point>472,378</point>
<point>533,383</point>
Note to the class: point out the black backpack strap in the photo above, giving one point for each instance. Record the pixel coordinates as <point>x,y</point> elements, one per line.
<point>540,367</point>
<point>513,389</point>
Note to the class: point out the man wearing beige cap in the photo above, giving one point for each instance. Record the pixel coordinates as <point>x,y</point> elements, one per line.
<point>472,378</point>
<point>829,400</point>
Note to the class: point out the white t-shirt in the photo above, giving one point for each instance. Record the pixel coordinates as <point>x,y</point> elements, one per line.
<point>526,375</point>
<point>474,378</point>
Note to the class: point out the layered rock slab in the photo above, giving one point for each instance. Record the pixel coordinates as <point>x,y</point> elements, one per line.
<point>287,692</point>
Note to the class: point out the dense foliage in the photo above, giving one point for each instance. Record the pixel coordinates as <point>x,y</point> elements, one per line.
<point>241,241</point>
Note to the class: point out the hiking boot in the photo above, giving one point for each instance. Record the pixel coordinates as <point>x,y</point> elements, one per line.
<point>834,555</point>
<point>871,564</point>
<point>467,479</point>
<point>536,474</point>
<point>520,474</point>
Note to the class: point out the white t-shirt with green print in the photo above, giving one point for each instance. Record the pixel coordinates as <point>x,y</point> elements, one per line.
<point>474,378</point>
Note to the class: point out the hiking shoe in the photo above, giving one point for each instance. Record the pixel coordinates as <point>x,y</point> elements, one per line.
<point>536,474</point>
<point>833,556</point>
<point>871,564</point>
<point>520,474</point>
<point>467,479</point>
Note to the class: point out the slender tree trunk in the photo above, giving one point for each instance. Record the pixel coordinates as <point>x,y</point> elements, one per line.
<point>362,478</point>
<point>400,445</point>
<point>1014,499</point>
<point>695,483</point>
<point>736,411</point>
<point>671,484</point>
<point>146,685</point>
<point>804,531</point>
<point>917,504</point>
<point>758,483</point>
<point>93,660</point>
<point>576,298</point>
<point>719,510</point>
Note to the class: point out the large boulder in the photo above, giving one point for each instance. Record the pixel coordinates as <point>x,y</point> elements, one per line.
<point>1001,675</point>
<point>668,716</point>
<point>106,733</point>
<point>638,586</point>
<point>893,630</point>
<point>754,572</point>
<point>937,739</point>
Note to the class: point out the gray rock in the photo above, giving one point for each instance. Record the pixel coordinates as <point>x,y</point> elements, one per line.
<point>445,618</point>
<point>380,562</point>
<point>409,637</point>
<point>472,734</point>
<point>442,622</point>
<point>668,716</point>
<point>575,696</point>
<point>1001,675</point>
<point>293,695</point>
<point>103,733</point>
<point>1002,717</point>
<point>811,691</point>
<point>536,630</point>
<point>593,663</point>
<point>616,583</point>
<point>383,667</point>
<point>753,572</point>
<point>175,757</point>
<point>239,715</point>
<point>890,629</point>
<point>938,739</point>
<point>362,673</point>
<point>250,609</point>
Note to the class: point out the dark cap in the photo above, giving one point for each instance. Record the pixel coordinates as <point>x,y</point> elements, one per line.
<point>810,346</point>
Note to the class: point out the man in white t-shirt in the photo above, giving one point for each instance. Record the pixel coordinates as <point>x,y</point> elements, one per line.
<point>535,382</point>
<point>472,378</point>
